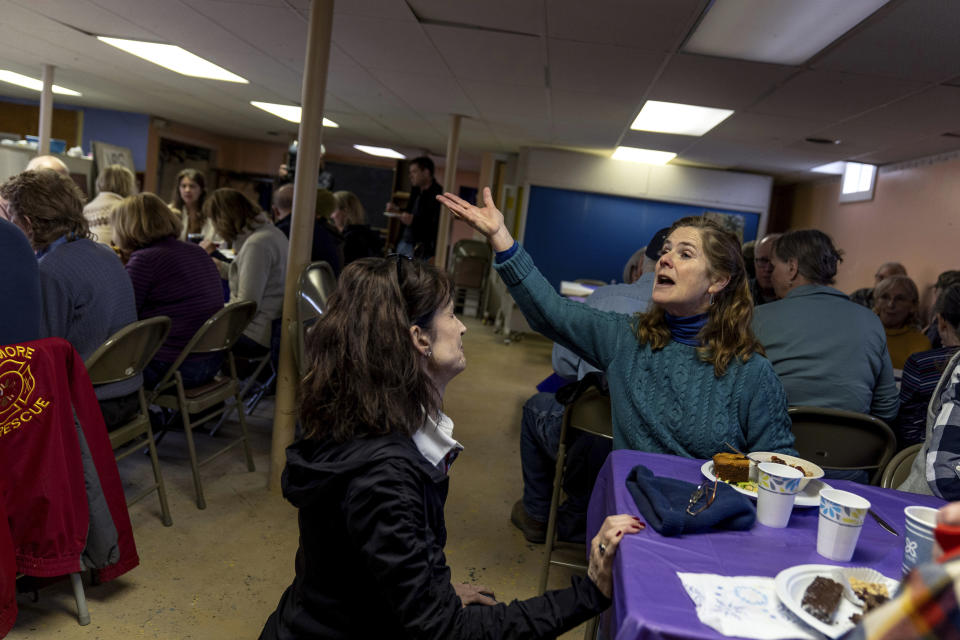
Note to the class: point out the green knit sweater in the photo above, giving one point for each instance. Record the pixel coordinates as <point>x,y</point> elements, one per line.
<point>665,401</point>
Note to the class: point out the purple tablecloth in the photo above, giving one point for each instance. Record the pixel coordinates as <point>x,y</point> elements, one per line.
<point>649,601</point>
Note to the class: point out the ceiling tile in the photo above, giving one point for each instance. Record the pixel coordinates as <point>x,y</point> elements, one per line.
<point>504,15</point>
<point>757,128</point>
<point>427,94</point>
<point>652,25</point>
<point>908,151</point>
<point>657,141</point>
<point>491,57</point>
<point>255,23</point>
<point>513,99</point>
<point>716,82</point>
<point>394,45</point>
<point>601,68</point>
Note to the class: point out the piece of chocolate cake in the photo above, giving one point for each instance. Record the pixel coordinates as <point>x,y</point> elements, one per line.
<point>822,598</point>
<point>731,467</point>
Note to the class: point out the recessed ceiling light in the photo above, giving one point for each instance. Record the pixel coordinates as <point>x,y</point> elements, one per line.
<point>673,117</point>
<point>835,168</point>
<point>172,57</point>
<point>816,140</point>
<point>383,152</point>
<point>776,31</point>
<point>289,112</point>
<point>32,83</point>
<point>646,156</point>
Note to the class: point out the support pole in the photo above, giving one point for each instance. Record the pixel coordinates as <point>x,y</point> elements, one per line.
<point>301,226</point>
<point>449,184</point>
<point>46,111</point>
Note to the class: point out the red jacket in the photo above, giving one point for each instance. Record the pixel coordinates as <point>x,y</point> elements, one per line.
<point>43,384</point>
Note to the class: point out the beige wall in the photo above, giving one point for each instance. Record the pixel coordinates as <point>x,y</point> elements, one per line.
<point>913,218</point>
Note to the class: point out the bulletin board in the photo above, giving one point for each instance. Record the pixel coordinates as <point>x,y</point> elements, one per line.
<point>576,234</point>
<point>372,185</point>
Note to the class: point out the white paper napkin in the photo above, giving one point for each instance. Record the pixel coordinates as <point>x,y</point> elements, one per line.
<point>744,606</point>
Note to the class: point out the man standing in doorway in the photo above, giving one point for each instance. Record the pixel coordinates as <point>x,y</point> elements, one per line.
<point>422,215</point>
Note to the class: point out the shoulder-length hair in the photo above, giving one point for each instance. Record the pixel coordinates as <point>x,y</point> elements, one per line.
<point>948,306</point>
<point>351,207</point>
<point>816,257</point>
<point>116,178</point>
<point>48,203</point>
<point>366,377</point>
<point>887,285</point>
<point>230,212</point>
<point>727,333</point>
<point>141,220</point>
<point>176,201</point>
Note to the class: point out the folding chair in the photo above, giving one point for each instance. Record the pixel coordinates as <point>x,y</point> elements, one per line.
<point>843,440</point>
<point>898,468</point>
<point>317,281</point>
<point>124,355</point>
<point>216,335</point>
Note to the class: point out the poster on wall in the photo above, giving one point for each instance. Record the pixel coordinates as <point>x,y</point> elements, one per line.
<point>732,222</point>
<point>105,154</point>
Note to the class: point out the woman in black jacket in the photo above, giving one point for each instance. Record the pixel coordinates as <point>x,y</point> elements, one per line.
<point>369,477</point>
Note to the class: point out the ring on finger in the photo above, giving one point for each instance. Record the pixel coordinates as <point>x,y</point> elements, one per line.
<point>603,548</point>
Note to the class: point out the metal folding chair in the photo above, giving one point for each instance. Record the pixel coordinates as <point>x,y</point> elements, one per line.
<point>898,468</point>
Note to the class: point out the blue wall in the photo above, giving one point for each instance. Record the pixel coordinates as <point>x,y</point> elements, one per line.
<point>574,234</point>
<point>120,128</point>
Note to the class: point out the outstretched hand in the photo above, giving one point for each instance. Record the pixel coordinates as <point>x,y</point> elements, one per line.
<point>603,548</point>
<point>487,219</point>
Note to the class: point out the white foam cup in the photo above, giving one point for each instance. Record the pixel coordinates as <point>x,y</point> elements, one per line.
<point>841,520</point>
<point>777,486</point>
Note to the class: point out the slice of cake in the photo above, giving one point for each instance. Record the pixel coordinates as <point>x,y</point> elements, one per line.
<point>731,467</point>
<point>873,594</point>
<point>822,598</point>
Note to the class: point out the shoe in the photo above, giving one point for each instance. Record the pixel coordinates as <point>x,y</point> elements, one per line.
<point>533,530</point>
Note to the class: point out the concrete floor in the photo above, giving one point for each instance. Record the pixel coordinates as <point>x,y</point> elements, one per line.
<point>218,573</point>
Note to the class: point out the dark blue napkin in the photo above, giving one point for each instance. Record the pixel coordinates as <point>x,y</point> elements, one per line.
<point>663,503</point>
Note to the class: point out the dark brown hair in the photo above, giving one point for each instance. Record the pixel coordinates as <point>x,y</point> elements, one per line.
<point>176,201</point>
<point>817,258</point>
<point>365,376</point>
<point>48,203</point>
<point>727,333</point>
<point>948,306</point>
<point>230,212</point>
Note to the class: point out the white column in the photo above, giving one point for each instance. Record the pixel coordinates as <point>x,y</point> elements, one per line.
<point>301,227</point>
<point>449,184</point>
<point>46,111</point>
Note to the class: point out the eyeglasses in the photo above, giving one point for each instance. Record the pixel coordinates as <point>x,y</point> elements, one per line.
<point>702,497</point>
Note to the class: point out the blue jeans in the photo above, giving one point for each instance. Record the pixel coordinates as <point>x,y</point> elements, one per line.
<point>539,442</point>
<point>405,248</point>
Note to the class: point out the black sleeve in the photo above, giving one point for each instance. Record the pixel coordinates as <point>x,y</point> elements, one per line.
<point>387,515</point>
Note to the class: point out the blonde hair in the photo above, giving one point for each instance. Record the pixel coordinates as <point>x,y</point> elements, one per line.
<point>885,285</point>
<point>141,220</point>
<point>727,333</point>
<point>117,179</point>
<point>351,207</point>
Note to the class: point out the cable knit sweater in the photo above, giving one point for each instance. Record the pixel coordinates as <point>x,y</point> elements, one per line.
<point>664,401</point>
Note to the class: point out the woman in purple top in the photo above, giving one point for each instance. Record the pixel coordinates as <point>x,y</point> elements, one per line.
<point>170,278</point>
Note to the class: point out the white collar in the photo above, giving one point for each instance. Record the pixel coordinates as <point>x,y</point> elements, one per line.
<point>435,442</point>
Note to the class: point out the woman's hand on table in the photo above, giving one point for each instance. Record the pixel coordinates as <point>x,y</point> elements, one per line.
<point>487,219</point>
<point>603,548</point>
<point>209,246</point>
<point>474,594</point>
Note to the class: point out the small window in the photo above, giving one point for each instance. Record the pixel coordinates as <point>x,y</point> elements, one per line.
<point>859,182</point>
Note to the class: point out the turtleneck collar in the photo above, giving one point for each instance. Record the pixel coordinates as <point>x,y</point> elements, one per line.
<point>684,329</point>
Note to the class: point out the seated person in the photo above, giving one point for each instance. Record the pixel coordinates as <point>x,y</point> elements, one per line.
<point>684,377</point>
<point>634,267</point>
<point>896,301</point>
<point>50,163</point>
<point>257,271</point>
<point>761,287</point>
<point>864,296</point>
<point>944,281</point>
<point>114,183</point>
<point>370,478</point>
<point>189,194</point>
<point>160,266</point>
<point>20,282</point>
<point>923,369</point>
<point>543,419</point>
<point>86,296</point>
<point>327,241</point>
<point>926,604</point>
<point>359,240</point>
<point>934,470</point>
<point>827,351</point>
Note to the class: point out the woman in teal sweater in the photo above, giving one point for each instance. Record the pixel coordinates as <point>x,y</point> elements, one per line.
<point>685,376</point>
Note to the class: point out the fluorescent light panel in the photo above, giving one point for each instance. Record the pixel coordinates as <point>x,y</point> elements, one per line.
<point>32,83</point>
<point>673,117</point>
<point>776,31</point>
<point>289,112</point>
<point>383,152</point>
<point>170,56</point>
<point>646,156</point>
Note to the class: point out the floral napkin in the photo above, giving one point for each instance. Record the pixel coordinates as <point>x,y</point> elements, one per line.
<point>743,606</point>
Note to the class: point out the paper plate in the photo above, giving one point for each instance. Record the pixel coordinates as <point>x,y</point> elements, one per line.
<point>809,497</point>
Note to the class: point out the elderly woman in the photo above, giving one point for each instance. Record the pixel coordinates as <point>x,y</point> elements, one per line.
<point>828,351</point>
<point>159,265</point>
<point>896,300</point>
<point>370,478</point>
<point>687,375</point>
<point>189,194</point>
<point>359,240</point>
<point>257,271</point>
<point>923,369</point>
<point>114,183</point>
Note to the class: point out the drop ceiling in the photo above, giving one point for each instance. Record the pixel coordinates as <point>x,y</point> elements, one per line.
<point>553,73</point>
